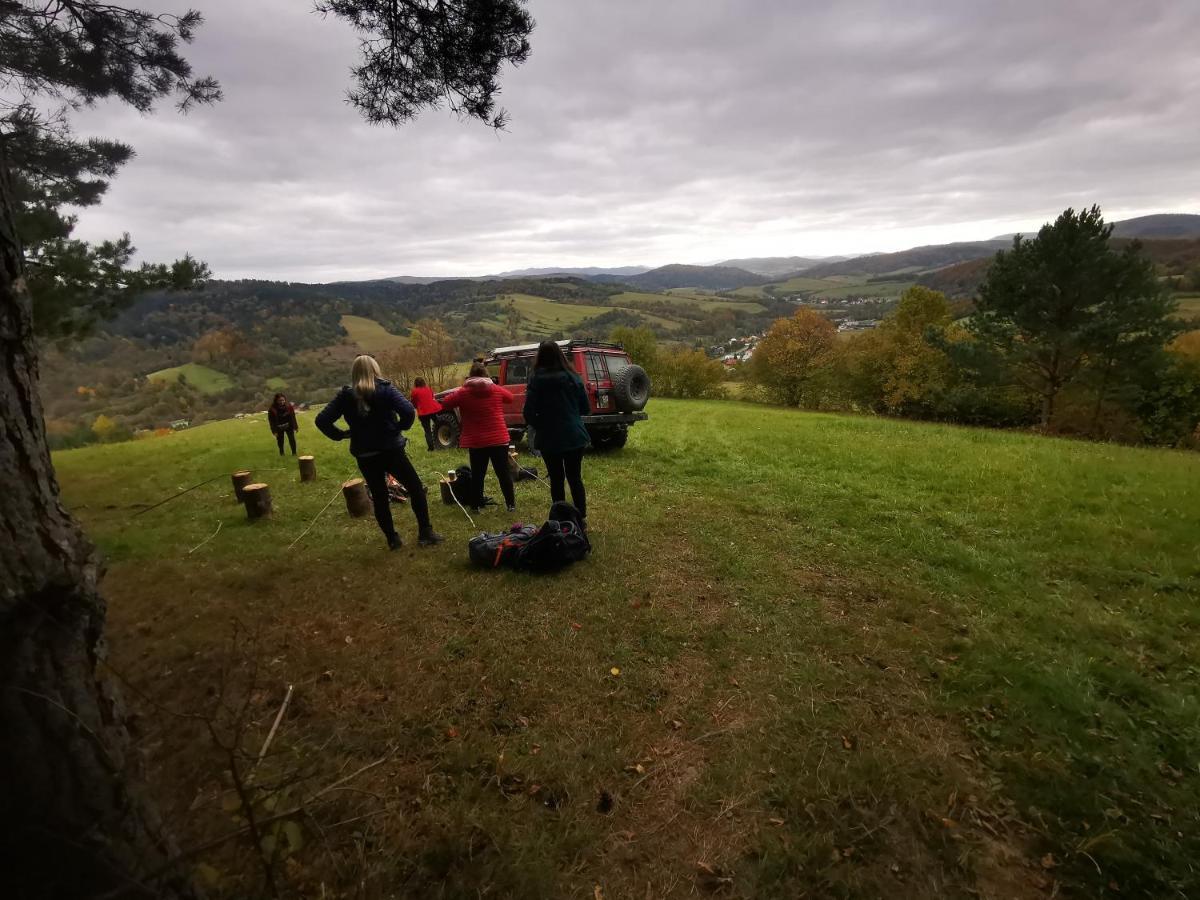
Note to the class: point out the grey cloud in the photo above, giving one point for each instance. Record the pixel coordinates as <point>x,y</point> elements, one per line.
<point>671,131</point>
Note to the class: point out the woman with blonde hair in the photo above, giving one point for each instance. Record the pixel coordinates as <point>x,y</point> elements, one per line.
<point>377,413</point>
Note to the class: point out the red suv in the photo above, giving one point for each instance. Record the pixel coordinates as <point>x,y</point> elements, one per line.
<point>617,391</point>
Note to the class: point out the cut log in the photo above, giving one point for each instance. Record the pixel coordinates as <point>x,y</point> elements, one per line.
<point>240,480</point>
<point>257,498</point>
<point>308,468</point>
<point>358,501</point>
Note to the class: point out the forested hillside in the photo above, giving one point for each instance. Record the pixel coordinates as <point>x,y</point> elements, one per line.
<point>223,349</point>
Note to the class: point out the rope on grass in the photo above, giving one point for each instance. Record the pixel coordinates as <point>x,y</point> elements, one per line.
<point>193,487</point>
<point>180,494</point>
<point>314,518</point>
<point>206,540</point>
<point>454,496</point>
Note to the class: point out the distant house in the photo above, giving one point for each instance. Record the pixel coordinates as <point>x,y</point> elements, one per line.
<point>180,424</point>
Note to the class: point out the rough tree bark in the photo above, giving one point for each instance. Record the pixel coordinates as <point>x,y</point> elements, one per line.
<point>74,822</point>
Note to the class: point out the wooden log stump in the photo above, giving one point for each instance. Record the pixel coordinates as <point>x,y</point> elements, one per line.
<point>308,468</point>
<point>257,498</point>
<point>358,501</point>
<point>240,480</point>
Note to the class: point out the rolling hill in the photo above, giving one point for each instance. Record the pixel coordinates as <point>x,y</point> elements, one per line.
<point>776,266</point>
<point>713,278</point>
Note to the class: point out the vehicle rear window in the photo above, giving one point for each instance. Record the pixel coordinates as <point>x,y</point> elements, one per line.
<point>518,370</point>
<point>596,369</point>
<point>616,364</point>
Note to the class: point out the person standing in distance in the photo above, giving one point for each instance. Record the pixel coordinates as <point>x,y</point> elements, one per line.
<point>555,404</point>
<point>377,415</point>
<point>281,416</point>
<point>427,408</point>
<point>484,432</point>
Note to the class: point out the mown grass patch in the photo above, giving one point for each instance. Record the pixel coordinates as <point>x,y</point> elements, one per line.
<point>371,337</point>
<point>202,378</point>
<point>854,657</point>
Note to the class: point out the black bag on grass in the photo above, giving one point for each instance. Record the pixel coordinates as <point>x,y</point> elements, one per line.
<point>557,544</point>
<point>492,551</point>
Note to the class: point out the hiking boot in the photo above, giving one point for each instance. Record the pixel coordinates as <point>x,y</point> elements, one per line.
<point>394,542</point>
<point>428,537</point>
<point>512,507</point>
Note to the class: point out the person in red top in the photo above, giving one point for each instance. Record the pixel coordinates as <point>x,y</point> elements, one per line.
<point>427,408</point>
<point>484,434</point>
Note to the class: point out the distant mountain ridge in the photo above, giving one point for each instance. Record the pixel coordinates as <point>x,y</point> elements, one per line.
<point>773,266</point>
<point>712,278</point>
<point>752,271</point>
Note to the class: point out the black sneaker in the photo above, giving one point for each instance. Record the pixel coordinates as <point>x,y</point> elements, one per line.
<point>512,507</point>
<point>394,542</point>
<point>429,538</point>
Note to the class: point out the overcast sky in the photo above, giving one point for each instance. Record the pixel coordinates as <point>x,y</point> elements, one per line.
<point>669,131</point>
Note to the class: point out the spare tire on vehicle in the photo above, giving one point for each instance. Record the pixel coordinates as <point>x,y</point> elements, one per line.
<point>631,389</point>
<point>446,430</point>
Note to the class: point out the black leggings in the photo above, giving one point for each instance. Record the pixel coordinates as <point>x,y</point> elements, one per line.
<point>427,424</point>
<point>291,436</point>
<point>568,466</point>
<point>375,470</point>
<point>498,457</point>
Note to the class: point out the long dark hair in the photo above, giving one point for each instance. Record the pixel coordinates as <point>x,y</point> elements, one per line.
<point>550,358</point>
<point>418,382</point>
<point>277,398</point>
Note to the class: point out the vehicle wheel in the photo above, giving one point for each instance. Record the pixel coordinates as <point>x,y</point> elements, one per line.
<point>631,389</point>
<point>446,429</point>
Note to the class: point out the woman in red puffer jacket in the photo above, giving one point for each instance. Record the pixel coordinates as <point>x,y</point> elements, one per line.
<point>427,408</point>
<point>484,434</point>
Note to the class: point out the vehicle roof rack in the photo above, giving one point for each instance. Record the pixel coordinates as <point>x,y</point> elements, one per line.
<point>569,344</point>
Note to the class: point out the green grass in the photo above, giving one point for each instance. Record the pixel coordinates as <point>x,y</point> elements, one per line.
<point>370,336</point>
<point>857,658</point>
<point>636,299</point>
<point>1189,304</point>
<point>541,316</point>
<point>202,378</point>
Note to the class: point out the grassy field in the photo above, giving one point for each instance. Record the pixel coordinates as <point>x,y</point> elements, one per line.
<point>542,316</point>
<point>202,378</point>
<point>1189,304</point>
<point>635,299</point>
<point>370,336</point>
<point>811,655</point>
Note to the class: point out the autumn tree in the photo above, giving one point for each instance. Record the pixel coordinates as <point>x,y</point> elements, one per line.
<point>640,343</point>
<point>76,822</point>
<point>688,374</point>
<point>512,321</point>
<point>791,364</point>
<point>1064,301</point>
<point>901,367</point>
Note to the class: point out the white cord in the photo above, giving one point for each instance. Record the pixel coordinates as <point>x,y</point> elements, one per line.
<point>206,540</point>
<point>440,480</point>
<point>314,520</point>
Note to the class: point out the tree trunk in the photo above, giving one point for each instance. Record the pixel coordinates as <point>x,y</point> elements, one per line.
<point>308,468</point>
<point>74,823</point>
<point>358,502</point>
<point>240,480</point>
<point>257,499</point>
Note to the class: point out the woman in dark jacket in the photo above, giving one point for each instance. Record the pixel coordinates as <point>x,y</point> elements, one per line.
<point>555,403</point>
<point>377,413</point>
<point>281,416</point>
<point>484,432</point>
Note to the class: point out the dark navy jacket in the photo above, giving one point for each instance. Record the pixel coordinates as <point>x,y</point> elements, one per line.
<point>555,401</point>
<point>389,413</point>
